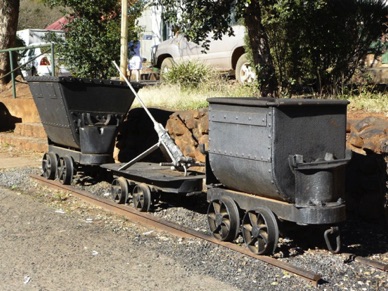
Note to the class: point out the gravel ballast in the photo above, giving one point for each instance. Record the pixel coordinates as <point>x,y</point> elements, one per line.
<point>144,259</point>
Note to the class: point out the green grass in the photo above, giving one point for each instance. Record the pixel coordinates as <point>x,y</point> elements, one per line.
<point>173,97</point>
<point>189,84</point>
<point>377,102</point>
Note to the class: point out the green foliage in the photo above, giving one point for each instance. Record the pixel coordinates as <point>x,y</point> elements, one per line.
<point>189,75</point>
<point>93,36</point>
<point>321,43</point>
<point>314,44</point>
<point>196,18</point>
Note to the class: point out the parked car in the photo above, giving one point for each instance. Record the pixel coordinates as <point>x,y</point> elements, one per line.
<point>37,62</point>
<point>225,55</point>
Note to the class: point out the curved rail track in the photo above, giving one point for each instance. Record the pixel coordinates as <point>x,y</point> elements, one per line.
<point>148,220</point>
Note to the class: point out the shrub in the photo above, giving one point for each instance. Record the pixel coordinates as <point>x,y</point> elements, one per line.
<point>189,75</point>
<point>93,35</point>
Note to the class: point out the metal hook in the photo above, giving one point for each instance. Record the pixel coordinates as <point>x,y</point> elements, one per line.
<point>334,230</point>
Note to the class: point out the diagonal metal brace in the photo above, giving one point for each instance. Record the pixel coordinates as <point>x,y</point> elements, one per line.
<point>178,160</point>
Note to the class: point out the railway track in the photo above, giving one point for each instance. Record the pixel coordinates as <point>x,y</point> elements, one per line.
<point>150,221</point>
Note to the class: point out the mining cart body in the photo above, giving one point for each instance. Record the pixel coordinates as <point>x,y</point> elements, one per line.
<point>80,117</point>
<point>287,156</point>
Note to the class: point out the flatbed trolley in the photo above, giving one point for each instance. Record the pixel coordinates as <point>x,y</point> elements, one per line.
<point>142,182</point>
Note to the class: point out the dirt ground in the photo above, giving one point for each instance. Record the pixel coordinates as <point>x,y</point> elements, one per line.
<point>43,247</point>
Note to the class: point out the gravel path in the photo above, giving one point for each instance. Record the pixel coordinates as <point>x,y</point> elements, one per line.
<point>52,241</point>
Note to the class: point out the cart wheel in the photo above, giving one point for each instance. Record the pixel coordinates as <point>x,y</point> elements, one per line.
<point>223,219</point>
<point>66,170</point>
<point>260,231</point>
<point>49,165</point>
<point>119,190</point>
<point>141,196</point>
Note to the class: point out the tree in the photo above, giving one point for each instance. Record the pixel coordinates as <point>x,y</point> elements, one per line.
<point>293,42</point>
<point>320,44</point>
<point>9,14</point>
<point>197,18</point>
<point>92,38</point>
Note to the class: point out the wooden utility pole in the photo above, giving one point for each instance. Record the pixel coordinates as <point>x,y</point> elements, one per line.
<point>124,39</point>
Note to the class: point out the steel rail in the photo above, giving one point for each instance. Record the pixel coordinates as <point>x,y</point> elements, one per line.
<point>365,261</point>
<point>148,220</point>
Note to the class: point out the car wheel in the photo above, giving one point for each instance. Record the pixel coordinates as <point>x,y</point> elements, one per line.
<point>245,72</point>
<point>166,65</point>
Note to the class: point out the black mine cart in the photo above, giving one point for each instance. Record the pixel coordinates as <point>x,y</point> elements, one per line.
<point>287,160</point>
<point>80,117</point>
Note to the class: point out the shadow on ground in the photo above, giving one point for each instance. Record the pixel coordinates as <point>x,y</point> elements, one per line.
<point>7,121</point>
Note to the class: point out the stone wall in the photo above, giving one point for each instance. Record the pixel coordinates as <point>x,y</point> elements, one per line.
<point>190,129</point>
<point>367,179</point>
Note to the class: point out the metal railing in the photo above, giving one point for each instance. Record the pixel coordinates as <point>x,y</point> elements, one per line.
<point>13,69</point>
